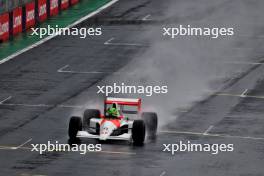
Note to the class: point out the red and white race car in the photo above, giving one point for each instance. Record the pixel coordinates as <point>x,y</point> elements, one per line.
<point>131,124</point>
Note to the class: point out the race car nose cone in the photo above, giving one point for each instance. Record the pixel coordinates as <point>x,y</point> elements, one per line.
<point>106,130</point>
<point>105,134</point>
<point>103,137</point>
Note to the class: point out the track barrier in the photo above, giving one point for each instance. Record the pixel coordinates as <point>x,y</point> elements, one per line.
<point>17,16</point>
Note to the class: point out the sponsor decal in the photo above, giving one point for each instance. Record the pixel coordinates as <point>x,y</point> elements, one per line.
<point>17,20</point>
<point>30,15</point>
<point>4,31</point>
<point>54,7</point>
<point>74,2</point>
<point>1,29</point>
<point>64,4</point>
<point>42,10</point>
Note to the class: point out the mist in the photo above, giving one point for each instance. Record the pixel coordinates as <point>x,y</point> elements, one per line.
<point>193,67</point>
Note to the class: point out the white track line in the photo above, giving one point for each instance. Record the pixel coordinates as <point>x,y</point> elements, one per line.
<point>109,42</point>
<point>71,106</point>
<point>2,147</point>
<point>24,174</point>
<point>114,152</point>
<point>236,95</point>
<point>163,173</point>
<point>62,70</point>
<point>208,130</point>
<point>213,135</point>
<point>84,72</point>
<point>44,105</point>
<point>244,94</point>
<point>8,98</point>
<point>258,36</point>
<point>27,105</point>
<point>146,18</point>
<point>243,63</point>
<point>24,143</point>
<point>7,148</point>
<point>28,148</point>
<point>52,36</point>
<point>17,147</point>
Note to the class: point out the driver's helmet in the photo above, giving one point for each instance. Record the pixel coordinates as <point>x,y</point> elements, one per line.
<point>113,111</point>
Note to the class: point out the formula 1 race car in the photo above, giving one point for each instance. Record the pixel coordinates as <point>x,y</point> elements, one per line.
<point>128,123</point>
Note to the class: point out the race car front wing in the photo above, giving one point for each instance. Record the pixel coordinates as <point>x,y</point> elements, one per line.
<point>85,134</point>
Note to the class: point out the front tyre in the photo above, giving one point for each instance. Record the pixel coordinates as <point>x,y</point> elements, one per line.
<point>75,125</point>
<point>138,132</point>
<point>151,121</point>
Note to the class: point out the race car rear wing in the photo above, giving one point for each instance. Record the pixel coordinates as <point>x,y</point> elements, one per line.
<point>124,101</point>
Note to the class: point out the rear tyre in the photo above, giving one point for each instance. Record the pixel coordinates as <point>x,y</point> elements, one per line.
<point>88,115</point>
<point>138,132</point>
<point>75,125</point>
<point>151,121</point>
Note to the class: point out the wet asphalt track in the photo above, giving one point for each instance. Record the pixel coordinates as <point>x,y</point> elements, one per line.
<point>35,89</point>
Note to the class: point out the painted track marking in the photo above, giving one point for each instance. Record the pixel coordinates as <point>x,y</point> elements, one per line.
<point>24,174</point>
<point>258,36</point>
<point>6,147</point>
<point>62,70</point>
<point>52,36</point>
<point>21,145</point>
<point>243,63</point>
<point>212,135</point>
<point>43,105</point>
<point>146,18</point>
<point>8,98</point>
<point>208,130</point>
<point>110,42</point>
<point>239,95</point>
<point>3,147</point>
<point>244,94</point>
<point>114,152</point>
<point>163,173</point>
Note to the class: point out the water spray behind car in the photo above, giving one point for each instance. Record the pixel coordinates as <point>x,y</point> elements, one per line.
<point>192,67</point>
